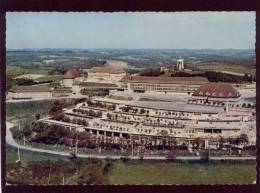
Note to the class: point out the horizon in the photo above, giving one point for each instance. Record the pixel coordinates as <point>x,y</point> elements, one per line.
<point>31,49</point>
<point>131,30</point>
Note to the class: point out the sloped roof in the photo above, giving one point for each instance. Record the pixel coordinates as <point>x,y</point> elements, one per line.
<point>72,73</point>
<point>164,79</point>
<point>219,90</point>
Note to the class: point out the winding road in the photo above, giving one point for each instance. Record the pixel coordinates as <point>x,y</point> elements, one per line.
<point>10,141</point>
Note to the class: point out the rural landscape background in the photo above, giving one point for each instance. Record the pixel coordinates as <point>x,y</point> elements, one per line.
<point>52,45</point>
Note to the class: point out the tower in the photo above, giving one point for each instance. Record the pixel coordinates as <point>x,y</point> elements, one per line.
<point>180,64</point>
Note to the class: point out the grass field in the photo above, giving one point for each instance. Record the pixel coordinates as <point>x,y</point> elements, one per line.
<point>49,78</point>
<point>26,156</point>
<point>154,172</point>
<point>226,67</point>
<point>26,110</point>
<point>13,71</point>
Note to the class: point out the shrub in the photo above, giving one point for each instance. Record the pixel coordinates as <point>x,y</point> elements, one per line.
<point>17,134</point>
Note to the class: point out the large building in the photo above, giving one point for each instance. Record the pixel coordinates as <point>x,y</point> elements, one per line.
<point>217,94</point>
<point>161,84</point>
<point>107,73</point>
<point>113,118</point>
<point>28,92</point>
<point>71,76</point>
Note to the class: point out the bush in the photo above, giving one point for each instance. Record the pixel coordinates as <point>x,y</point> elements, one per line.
<point>108,167</point>
<point>17,134</point>
<point>26,130</point>
<point>151,72</point>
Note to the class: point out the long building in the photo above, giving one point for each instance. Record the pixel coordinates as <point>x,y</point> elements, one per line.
<point>161,84</point>
<point>28,92</point>
<point>120,119</point>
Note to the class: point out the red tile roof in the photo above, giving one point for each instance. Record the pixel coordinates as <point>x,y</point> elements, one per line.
<point>218,90</point>
<point>164,79</point>
<point>107,69</point>
<point>34,88</point>
<point>72,73</point>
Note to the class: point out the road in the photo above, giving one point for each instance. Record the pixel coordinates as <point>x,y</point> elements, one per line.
<point>10,140</point>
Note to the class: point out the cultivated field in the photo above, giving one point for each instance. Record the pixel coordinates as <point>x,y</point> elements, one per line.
<point>226,67</point>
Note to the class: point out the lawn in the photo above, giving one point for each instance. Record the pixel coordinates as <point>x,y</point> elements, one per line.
<point>13,71</point>
<point>26,110</point>
<point>154,172</point>
<point>49,78</point>
<point>26,156</point>
<point>226,67</point>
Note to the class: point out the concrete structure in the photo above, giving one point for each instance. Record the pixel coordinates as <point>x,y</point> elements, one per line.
<point>161,84</point>
<point>124,120</point>
<point>96,88</point>
<point>180,64</point>
<point>62,92</point>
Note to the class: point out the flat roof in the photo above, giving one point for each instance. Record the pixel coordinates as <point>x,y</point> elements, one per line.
<point>34,88</point>
<point>179,106</point>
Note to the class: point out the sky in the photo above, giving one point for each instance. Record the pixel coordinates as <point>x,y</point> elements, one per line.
<point>131,30</point>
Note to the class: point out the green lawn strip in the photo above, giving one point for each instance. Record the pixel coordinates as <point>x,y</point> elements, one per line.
<point>49,78</point>
<point>27,156</point>
<point>154,172</point>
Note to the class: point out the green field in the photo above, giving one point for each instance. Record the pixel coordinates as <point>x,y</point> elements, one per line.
<point>154,172</point>
<point>49,78</point>
<point>226,67</point>
<point>13,71</point>
<point>26,110</point>
<point>26,156</point>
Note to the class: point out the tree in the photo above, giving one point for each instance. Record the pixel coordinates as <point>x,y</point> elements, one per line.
<point>142,111</point>
<point>56,108</point>
<point>26,130</point>
<point>243,138</point>
<point>17,134</point>
<point>58,116</point>
<point>84,122</point>
<point>37,116</point>
<point>109,116</point>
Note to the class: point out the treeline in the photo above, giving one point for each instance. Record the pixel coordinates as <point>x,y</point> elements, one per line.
<point>57,105</point>
<point>211,75</point>
<point>151,72</point>
<point>217,76</point>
